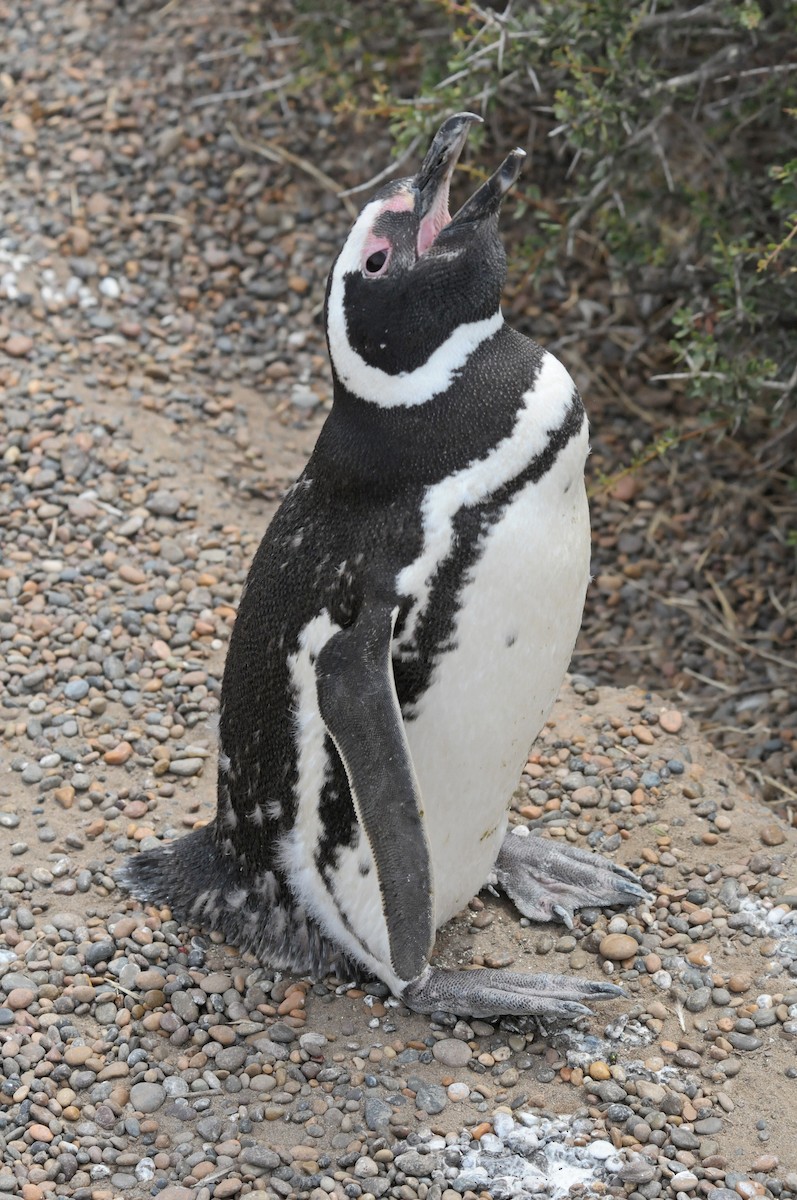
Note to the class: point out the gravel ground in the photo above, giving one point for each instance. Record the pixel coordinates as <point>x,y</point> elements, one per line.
<point>159,279</point>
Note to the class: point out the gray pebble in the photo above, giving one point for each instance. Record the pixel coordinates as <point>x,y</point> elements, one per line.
<point>365,1168</point>
<point>147,1097</point>
<point>698,1000</point>
<point>163,503</point>
<point>419,1165</point>
<point>744,1041</point>
<point>76,689</point>
<point>452,1053</point>
<point>377,1112</point>
<point>429,1097</point>
<point>185,767</point>
<point>260,1156</point>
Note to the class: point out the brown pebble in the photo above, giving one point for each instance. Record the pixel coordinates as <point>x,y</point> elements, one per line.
<point>479,1130</point>
<point>750,1188</point>
<point>304,1153</point>
<point>599,1070</point>
<point>772,835</point>
<point>227,1187</point>
<point>18,345</point>
<point>618,946</point>
<point>765,1162</point>
<point>118,755</point>
<point>625,488</point>
<point>81,240</point>
<point>131,574</point>
<point>136,809</point>
<point>222,1034</point>
<point>20,998</point>
<point>670,720</point>
<point>39,1132</point>
<point>65,796</point>
<point>75,1056</point>
<point>739,983</point>
<point>699,954</point>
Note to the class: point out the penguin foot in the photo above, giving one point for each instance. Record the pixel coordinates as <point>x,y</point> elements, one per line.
<point>547,881</point>
<point>486,993</point>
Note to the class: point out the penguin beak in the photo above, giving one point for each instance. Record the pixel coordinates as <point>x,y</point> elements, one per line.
<point>434,178</point>
<point>486,202</point>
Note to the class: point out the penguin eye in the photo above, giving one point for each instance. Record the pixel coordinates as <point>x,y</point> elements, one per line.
<point>375,263</point>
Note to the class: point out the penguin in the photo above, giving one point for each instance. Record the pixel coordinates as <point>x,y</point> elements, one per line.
<point>403,631</point>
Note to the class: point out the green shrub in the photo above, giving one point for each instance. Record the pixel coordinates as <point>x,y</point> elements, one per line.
<point>661,139</point>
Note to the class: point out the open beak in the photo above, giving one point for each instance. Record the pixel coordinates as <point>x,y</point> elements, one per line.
<point>434,179</point>
<point>487,199</point>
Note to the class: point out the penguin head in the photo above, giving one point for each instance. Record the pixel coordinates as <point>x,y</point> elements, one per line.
<point>411,280</point>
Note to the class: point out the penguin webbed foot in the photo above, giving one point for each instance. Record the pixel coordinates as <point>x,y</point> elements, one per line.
<point>489,993</point>
<point>547,881</point>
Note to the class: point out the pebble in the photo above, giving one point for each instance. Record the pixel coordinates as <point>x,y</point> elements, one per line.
<point>186,767</point>
<point>18,345</point>
<point>452,1053</point>
<point>147,1097</point>
<point>618,946</point>
<point>671,720</point>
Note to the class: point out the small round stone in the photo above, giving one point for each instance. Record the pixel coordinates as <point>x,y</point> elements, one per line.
<point>671,720</point>
<point>147,1097</point>
<point>618,946</point>
<point>452,1052</point>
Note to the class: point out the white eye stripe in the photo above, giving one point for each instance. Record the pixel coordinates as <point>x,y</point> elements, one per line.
<point>410,388</point>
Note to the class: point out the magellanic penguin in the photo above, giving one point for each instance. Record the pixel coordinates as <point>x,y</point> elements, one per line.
<point>403,632</point>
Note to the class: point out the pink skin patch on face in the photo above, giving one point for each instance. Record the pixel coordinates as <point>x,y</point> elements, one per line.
<point>401,202</point>
<point>375,245</point>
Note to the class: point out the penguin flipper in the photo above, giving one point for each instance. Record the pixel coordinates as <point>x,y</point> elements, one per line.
<point>547,881</point>
<point>358,704</point>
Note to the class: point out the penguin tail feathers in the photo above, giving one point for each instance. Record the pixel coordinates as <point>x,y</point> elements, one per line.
<point>206,888</point>
<point>177,874</point>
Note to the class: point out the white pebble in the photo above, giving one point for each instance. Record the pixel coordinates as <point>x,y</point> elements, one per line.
<point>600,1150</point>
<point>503,1124</point>
<point>110,288</point>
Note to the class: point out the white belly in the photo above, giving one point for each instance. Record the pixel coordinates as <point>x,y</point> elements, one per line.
<point>489,697</point>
